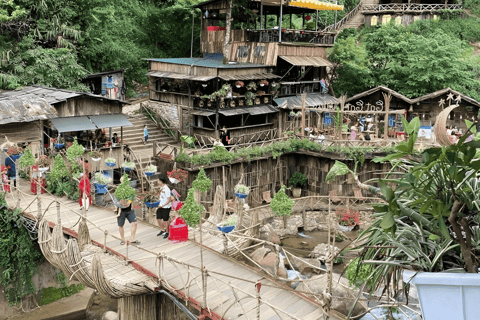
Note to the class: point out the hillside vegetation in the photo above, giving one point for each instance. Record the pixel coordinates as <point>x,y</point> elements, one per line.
<point>423,57</point>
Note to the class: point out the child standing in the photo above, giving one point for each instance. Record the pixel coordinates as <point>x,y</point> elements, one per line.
<point>5,180</point>
<point>145,134</point>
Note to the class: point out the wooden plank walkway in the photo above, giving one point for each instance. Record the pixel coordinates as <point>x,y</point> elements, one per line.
<point>227,282</point>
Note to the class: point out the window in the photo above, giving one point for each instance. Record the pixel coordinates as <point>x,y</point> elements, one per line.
<point>259,51</point>
<point>386,19</point>
<point>242,52</point>
<point>374,21</point>
<point>398,20</point>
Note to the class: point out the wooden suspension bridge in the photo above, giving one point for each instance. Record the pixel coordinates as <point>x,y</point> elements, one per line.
<point>224,289</point>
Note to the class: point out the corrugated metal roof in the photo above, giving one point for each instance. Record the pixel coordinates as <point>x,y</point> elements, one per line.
<point>252,76</point>
<point>208,63</point>
<point>110,120</point>
<point>174,75</point>
<point>25,110</point>
<point>70,124</point>
<point>205,113</point>
<point>99,74</point>
<point>51,95</point>
<point>312,100</point>
<point>254,110</point>
<point>307,61</point>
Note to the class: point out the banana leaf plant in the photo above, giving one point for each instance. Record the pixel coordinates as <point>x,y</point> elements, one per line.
<point>431,219</point>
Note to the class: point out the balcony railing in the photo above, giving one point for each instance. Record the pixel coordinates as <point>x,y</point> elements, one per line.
<point>405,7</point>
<point>291,35</point>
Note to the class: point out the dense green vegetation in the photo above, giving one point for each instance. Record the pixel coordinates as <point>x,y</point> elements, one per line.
<point>56,42</point>
<point>423,57</point>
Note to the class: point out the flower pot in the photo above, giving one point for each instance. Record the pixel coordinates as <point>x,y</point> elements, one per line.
<point>127,169</point>
<point>100,188</point>
<point>444,295</point>
<point>59,145</point>
<point>173,180</point>
<point>43,170</point>
<point>261,85</point>
<point>96,159</point>
<point>110,164</point>
<point>15,157</point>
<point>241,195</point>
<point>152,204</point>
<point>226,229</point>
<point>149,173</point>
<point>346,228</point>
<point>297,192</point>
<point>238,87</point>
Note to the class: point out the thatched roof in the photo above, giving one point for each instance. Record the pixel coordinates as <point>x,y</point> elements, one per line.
<point>25,110</point>
<point>51,95</point>
<point>444,91</point>
<point>385,89</point>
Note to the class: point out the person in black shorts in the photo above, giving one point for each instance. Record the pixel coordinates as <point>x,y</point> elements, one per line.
<point>128,214</point>
<point>163,211</point>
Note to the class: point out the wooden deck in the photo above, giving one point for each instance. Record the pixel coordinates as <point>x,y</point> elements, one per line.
<point>230,285</point>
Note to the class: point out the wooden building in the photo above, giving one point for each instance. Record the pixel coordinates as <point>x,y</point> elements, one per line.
<point>43,113</point>
<point>109,84</point>
<point>239,90</point>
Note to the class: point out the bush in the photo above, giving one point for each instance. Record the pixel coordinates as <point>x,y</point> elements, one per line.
<point>124,191</point>
<point>298,179</point>
<point>281,204</point>
<point>358,275</point>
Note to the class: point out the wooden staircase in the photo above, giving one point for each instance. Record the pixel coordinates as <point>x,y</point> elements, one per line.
<point>142,154</point>
<point>354,19</point>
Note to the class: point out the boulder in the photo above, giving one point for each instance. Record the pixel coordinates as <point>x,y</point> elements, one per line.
<point>269,234</point>
<point>322,251</point>
<point>268,262</point>
<point>258,254</point>
<point>305,265</point>
<point>342,297</point>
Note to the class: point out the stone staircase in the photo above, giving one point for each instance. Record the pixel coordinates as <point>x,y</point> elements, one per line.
<point>354,19</point>
<point>133,137</point>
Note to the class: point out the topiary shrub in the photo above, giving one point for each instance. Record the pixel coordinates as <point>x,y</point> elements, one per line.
<point>190,211</point>
<point>124,191</point>
<point>27,159</point>
<point>281,204</point>
<point>202,182</point>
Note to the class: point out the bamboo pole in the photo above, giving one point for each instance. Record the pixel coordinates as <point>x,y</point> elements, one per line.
<point>304,97</point>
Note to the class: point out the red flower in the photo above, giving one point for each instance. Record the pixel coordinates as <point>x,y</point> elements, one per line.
<point>308,18</point>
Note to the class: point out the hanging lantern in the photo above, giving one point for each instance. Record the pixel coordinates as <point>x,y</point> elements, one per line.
<point>308,18</point>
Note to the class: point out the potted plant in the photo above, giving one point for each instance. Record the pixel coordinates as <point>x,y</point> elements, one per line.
<point>95,155</point>
<point>124,194</point>
<point>228,225</point>
<point>42,163</point>
<point>282,205</point>
<point>128,166</point>
<point>150,170</point>
<point>263,83</point>
<point>177,175</point>
<point>59,142</point>
<point>239,84</point>
<point>249,96</point>
<point>241,191</point>
<point>101,182</point>
<point>27,159</point>
<point>15,152</point>
<point>111,162</point>
<point>429,228</point>
<point>297,180</point>
<point>348,219</point>
<point>251,86</point>
<point>151,199</point>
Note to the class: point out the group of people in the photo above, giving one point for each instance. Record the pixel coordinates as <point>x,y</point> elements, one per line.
<point>162,214</point>
<point>453,134</point>
<point>356,131</point>
<point>316,135</point>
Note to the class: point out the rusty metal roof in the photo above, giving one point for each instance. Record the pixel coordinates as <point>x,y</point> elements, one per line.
<point>312,100</point>
<point>174,75</point>
<point>254,76</point>
<point>253,110</point>
<point>25,109</point>
<point>307,61</point>
<point>51,95</point>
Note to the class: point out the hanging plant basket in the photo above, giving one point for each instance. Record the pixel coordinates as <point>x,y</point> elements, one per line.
<point>152,204</point>
<point>149,173</point>
<point>96,159</point>
<point>226,229</point>
<point>59,145</point>
<point>100,188</point>
<point>346,228</point>
<point>241,191</point>
<point>241,195</point>
<point>111,162</point>
<point>128,166</point>
<point>173,180</point>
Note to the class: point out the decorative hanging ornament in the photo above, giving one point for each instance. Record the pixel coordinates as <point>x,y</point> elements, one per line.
<point>308,18</point>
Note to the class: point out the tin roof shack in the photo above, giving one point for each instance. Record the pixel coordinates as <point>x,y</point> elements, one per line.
<point>110,84</point>
<point>22,121</point>
<point>236,88</point>
<point>77,114</point>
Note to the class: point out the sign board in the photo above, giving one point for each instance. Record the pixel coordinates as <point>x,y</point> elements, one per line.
<point>425,132</point>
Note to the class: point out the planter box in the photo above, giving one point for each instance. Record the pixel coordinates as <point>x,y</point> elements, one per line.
<point>446,295</point>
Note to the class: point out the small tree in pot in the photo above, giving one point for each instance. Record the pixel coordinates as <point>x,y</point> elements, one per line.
<point>297,180</point>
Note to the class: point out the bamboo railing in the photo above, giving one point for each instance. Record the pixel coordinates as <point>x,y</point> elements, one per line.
<point>337,26</point>
<point>412,7</point>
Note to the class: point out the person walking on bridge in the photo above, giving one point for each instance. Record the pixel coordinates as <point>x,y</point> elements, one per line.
<point>129,214</point>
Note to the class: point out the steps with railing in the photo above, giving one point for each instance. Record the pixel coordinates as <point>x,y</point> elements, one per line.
<point>349,17</point>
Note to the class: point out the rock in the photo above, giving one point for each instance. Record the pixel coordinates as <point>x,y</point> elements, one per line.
<point>258,254</point>
<point>110,315</point>
<point>322,251</point>
<point>268,262</point>
<point>305,265</point>
<point>269,234</point>
<point>318,284</point>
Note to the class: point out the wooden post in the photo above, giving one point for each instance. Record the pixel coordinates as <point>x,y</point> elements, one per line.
<point>304,97</point>
<point>388,98</point>
<point>59,220</point>
<point>239,212</point>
